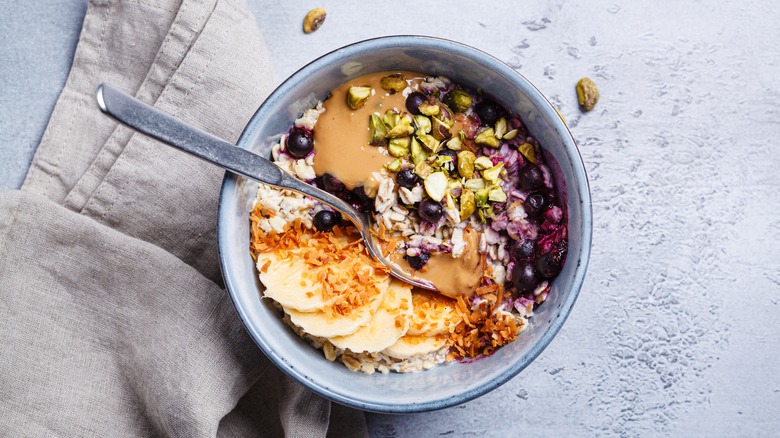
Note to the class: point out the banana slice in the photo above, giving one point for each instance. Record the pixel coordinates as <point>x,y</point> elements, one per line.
<point>326,325</point>
<point>291,283</point>
<point>434,314</point>
<point>386,327</point>
<point>413,345</point>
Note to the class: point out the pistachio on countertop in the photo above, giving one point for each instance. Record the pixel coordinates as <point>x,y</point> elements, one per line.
<point>587,94</point>
<point>314,20</point>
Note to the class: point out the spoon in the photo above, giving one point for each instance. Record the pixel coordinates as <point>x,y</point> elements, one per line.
<point>163,127</point>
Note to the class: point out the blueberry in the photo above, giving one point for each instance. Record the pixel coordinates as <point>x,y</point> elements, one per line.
<point>523,249</point>
<point>331,184</point>
<point>550,263</point>
<point>429,210</point>
<point>418,262</point>
<point>488,112</point>
<point>413,102</point>
<point>360,200</point>
<point>407,178</point>
<point>299,143</point>
<point>534,204</point>
<point>524,276</point>
<point>325,220</point>
<point>531,178</point>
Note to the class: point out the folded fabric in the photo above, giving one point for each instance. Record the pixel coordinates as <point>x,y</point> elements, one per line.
<point>113,319</point>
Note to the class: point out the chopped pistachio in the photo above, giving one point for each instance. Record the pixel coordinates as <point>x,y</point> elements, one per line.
<point>485,213</point>
<point>483,163</point>
<point>458,100</point>
<point>429,109</point>
<point>481,197</point>
<point>587,94</point>
<point>455,143</point>
<point>423,124</point>
<point>487,138</point>
<point>395,165</point>
<point>467,204</point>
<point>527,149</point>
<point>391,118</point>
<point>475,184</point>
<point>450,203</point>
<point>510,135</point>
<point>446,115</point>
<point>441,160</point>
<point>419,155</point>
<point>492,174</point>
<point>454,187</point>
<point>429,142</point>
<point>314,20</point>
<point>466,161</point>
<point>402,129</point>
<point>378,130</point>
<point>357,96</point>
<point>394,83</point>
<point>436,185</point>
<point>496,194</point>
<point>441,130</point>
<point>462,135</point>
<point>399,147</point>
<point>501,128</point>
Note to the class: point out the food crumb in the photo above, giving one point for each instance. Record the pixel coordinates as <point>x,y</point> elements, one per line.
<point>314,20</point>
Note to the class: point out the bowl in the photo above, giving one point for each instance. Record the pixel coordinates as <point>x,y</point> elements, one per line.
<point>447,384</point>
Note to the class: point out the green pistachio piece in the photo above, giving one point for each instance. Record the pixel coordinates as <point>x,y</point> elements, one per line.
<point>466,161</point>
<point>587,94</point>
<point>496,194</point>
<point>450,202</point>
<point>429,142</point>
<point>395,165</point>
<point>487,138</point>
<point>491,175</point>
<point>483,163</point>
<point>423,169</point>
<point>454,187</point>
<point>458,100</point>
<point>467,204</point>
<point>485,213</point>
<point>429,109</point>
<point>481,197</point>
<point>527,149</point>
<point>510,135</point>
<point>399,147</point>
<point>440,160</point>
<point>391,118</point>
<point>419,155</point>
<point>357,96</point>
<point>402,129</point>
<point>455,143</point>
<point>441,131</point>
<point>436,185</point>
<point>378,130</point>
<point>474,184</point>
<point>446,115</point>
<point>394,83</point>
<point>500,128</point>
<point>423,124</point>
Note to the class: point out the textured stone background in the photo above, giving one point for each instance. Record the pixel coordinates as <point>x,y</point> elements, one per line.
<point>676,329</point>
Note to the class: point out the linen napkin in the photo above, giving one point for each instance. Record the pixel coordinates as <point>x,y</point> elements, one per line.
<point>113,317</point>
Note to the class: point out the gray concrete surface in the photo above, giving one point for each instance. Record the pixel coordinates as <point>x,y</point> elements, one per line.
<point>675,332</point>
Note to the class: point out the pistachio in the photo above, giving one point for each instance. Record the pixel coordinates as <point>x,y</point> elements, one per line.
<point>314,20</point>
<point>484,213</point>
<point>487,138</point>
<point>500,128</point>
<point>357,96</point>
<point>429,109</point>
<point>467,204</point>
<point>394,83</point>
<point>466,161</point>
<point>451,207</point>
<point>441,161</point>
<point>402,129</point>
<point>455,187</point>
<point>399,147</point>
<point>391,118</point>
<point>474,184</point>
<point>587,94</point>
<point>419,155</point>
<point>527,149</point>
<point>455,143</point>
<point>496,194</point>
<point>436,185</point>
<point>423,124</point>
<point>429,142</point>
<point>481,197</point>
<point>395,165</point>
<point>483,163</point>
<point>423,169</point>
<point>378,130</point>
<point>492,174</point>
<point>441,130</point>
<point>510,135</point>
<point>458,100</point>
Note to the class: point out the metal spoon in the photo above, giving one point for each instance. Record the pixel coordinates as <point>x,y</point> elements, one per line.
<point>174,132</point>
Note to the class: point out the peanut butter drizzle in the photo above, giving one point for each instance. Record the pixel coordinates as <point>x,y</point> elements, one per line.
<point>453,277</point>
<point>342,137</point>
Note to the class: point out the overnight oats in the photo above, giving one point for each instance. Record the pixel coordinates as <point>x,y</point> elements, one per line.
<point>459,195</point>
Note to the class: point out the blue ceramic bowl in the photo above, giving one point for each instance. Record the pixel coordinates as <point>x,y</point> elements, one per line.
<point>447,384</point>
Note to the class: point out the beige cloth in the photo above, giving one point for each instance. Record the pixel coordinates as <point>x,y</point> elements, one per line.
<point>113,319</point>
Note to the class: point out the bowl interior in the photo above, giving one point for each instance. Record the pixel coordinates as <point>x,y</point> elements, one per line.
<point>445,385</point>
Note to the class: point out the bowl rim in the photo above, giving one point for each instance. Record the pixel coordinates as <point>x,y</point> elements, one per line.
<point>583,186</point>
